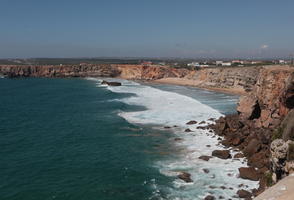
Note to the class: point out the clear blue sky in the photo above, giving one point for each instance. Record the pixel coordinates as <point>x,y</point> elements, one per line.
<point>149,28</point>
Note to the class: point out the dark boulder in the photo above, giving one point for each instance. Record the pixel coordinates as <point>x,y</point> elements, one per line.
<point>206,158</point>
<point>244,194</point>
<point>185,177</point>
<point>191,122</point>
<point>223,154</point>
<point>249,173</point>
<point>110,83</point>
<point>209,197</point>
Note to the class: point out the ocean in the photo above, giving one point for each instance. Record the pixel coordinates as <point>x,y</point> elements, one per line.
<point>77,139</point>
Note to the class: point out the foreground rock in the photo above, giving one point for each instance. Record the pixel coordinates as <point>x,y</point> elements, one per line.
<point>185,177</point>
<point>223,154</point>
<point>110,83</point>
<point>244,194</point>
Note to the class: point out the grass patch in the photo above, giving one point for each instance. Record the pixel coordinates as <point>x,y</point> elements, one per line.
<point>269,179</point>
<point>277,134</point>
<point>290,155</point>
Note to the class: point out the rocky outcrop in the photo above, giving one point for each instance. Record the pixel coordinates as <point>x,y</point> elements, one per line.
<point>111,83</point>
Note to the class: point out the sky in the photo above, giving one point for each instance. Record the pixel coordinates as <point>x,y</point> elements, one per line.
<point>147,28</point>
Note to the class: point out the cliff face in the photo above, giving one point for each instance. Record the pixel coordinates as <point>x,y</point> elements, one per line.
<point>271,97</point>
<point>59,71</point>
<point>242,78</point>
<point>123,71</point>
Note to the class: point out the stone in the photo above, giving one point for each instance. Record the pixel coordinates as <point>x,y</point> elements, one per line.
<point>206,158</point>
<point>206,171</point>
<point>110,83</point>
<point>249,173</point>
<point>252,147</point>
<point>244,194</point>
<point>185,177</point>
<point>209,197</point>
<point>178,139</point>
<point>188,130</point>
<point>239,155</point>
<point>191,122</point>
<point>223,154</point>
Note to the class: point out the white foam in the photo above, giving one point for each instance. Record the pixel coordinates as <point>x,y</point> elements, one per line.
<point>162,107</point>
<point>169,109</point>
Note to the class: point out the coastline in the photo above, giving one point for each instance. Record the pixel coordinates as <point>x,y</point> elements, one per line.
<point>262,107</point>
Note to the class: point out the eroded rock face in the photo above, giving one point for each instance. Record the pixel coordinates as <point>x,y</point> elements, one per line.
<point>282,157</point>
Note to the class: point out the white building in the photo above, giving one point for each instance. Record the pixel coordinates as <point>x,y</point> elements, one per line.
<point>226,64</point>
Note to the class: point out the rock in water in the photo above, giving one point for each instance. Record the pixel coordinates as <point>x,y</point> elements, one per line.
<point>191,122</point>
<point>206,158</point>
<point>223,154</point>
<point>209,197</point>
<point>110,83</point>
<point>185,177</point>
<point>244,194</point>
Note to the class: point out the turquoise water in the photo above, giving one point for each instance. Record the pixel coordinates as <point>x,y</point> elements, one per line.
<point>73,139</point>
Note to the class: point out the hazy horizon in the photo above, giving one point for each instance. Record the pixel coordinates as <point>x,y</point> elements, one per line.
<point>153,29</point>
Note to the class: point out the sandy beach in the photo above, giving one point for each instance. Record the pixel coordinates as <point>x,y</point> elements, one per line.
<point>197,83</point>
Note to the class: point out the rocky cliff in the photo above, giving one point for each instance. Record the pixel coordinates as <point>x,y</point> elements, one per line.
<point>263,128</point>
<point>59,71</point>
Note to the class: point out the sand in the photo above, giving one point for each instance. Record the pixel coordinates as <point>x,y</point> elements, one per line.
<point>199,84</point>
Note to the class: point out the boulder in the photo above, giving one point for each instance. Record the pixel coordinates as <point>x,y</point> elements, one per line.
<point>191,122</point>
<point>249,173</point>
<point>110,83</point>
<point>185,177</point>
<point>252,147</point>
<point>209,197</point>
<point>188,130</point>
<point>244,194</point>
<point>239,155</point>
<point>223,154</point>
<point>206,158</point>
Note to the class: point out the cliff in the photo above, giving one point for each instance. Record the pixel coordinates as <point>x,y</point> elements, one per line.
<point>263,128</point>
<point>13,71</point>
